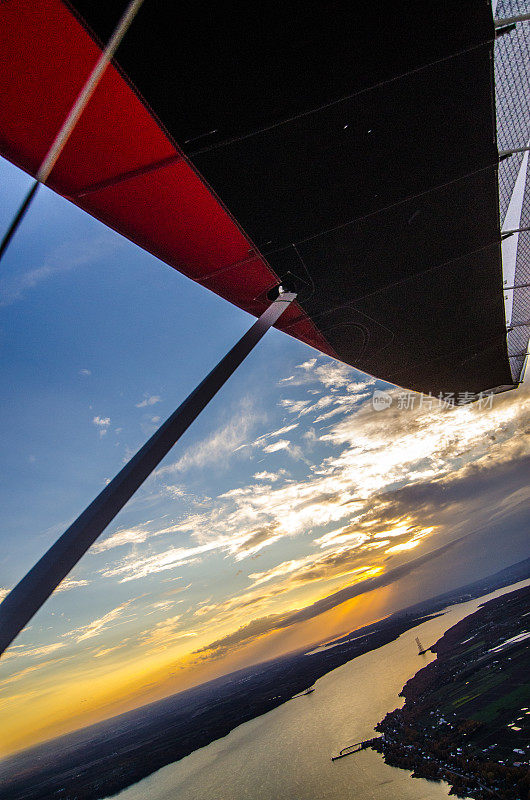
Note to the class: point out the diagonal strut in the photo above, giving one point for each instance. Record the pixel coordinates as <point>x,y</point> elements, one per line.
<point>34,589</point>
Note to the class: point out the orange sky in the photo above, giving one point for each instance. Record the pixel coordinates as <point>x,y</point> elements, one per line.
<point>243,578</point>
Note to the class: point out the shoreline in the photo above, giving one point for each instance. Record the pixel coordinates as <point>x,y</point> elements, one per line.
<point>448,732</point>
<point>207,755</point>
<point>94,785</point>
<point>106,759</point>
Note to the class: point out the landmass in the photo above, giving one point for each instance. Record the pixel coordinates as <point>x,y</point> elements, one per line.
<point>103,759</point>
<point>466,717</point>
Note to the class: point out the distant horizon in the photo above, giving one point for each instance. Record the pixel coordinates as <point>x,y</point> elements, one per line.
<point>226,678</point>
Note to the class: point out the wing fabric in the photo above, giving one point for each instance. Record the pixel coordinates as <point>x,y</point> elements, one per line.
<point>353,153</point>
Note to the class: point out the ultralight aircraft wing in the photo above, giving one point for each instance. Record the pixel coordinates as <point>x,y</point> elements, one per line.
<point>349,150</point>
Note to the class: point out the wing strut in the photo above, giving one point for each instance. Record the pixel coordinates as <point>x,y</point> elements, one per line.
<point>70,122</point>
<point>34,589</point>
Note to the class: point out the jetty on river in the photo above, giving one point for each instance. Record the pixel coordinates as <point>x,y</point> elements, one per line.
<point>421,649</point>
<point>353,748</point>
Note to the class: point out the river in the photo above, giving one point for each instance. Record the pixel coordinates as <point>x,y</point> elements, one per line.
<point>285,754</point>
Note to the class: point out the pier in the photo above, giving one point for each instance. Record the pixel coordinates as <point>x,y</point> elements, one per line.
<point>421,649</point>
<point>352,748</point>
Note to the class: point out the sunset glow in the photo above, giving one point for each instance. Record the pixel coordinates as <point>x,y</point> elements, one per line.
<point>292,513</point>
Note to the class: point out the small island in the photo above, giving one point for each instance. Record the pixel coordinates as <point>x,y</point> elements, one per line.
<point>466,716</point>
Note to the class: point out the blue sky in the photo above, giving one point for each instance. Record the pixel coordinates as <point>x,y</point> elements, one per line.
<point>288,489</point>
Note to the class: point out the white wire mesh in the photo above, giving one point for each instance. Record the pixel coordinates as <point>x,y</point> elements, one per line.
<point>512,79</point>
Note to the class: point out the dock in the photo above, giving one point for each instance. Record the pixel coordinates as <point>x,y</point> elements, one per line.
<point>352,748</point>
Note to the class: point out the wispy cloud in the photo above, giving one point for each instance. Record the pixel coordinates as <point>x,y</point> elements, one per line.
<point>148,530</point>
<point>278,432</point>
<point>273,622</point>
<point>352,501</point>
<point>70,256</point>
<point>23,651</point>
<point>248,601</point>
<point>281,444</point>
<point>220,446</point>
<point>71,583</point>
<point>23,673</point>
<point>165,634</point>
<point>104,651</point>
<point>124,536</point>
<point>133,566</point>
<point>101,624</point>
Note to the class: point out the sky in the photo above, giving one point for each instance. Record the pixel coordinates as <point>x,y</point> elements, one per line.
<point>291,512</point>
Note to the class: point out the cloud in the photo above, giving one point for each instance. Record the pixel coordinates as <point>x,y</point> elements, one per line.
<point>123,536</point>
<point>72,255</point>
<point>273,622</point>
<point>104,651</point>
<point>295,406</point>
<point>256,541</point>
<point>144,531</point>
<point>149,400</point>
<point>3,593</point>
<point>20,674</point>
<point>22,651</point>
<point>317,567</point>
<point>354,500</point>
<point>133,567</point>
<point>102,424</point>
<point>279,432</point>
<point>307,365</point>
<point>334,379</point>
<point>281,444</point>
<point>224,610</point>
<point>330,374</point>
<point>71,583</point>
<point>165,634</point>
<point>219,447</point>
<point>101,624</point>
<point>269,476</point>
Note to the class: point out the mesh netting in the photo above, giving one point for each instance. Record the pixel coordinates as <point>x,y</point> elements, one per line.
<point>512,77</point>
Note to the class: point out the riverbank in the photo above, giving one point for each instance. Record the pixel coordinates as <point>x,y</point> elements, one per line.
<point>287,751</point>
<point>130,747</point>
<point>102,760</point>
<point>466,717</point>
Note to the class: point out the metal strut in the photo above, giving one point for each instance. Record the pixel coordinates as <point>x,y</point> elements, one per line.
<point>71,120</point>
<point>502,23</point>
<point>34,589</point>
<point>505,234</point>
<point>507,153</point>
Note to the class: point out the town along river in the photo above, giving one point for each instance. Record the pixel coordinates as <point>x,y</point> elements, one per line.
<point>286,753</point>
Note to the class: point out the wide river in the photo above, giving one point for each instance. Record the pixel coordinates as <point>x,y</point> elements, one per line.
<point>285,754</point>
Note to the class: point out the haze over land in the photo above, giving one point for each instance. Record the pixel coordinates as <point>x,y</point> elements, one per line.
<point>290,513</point>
